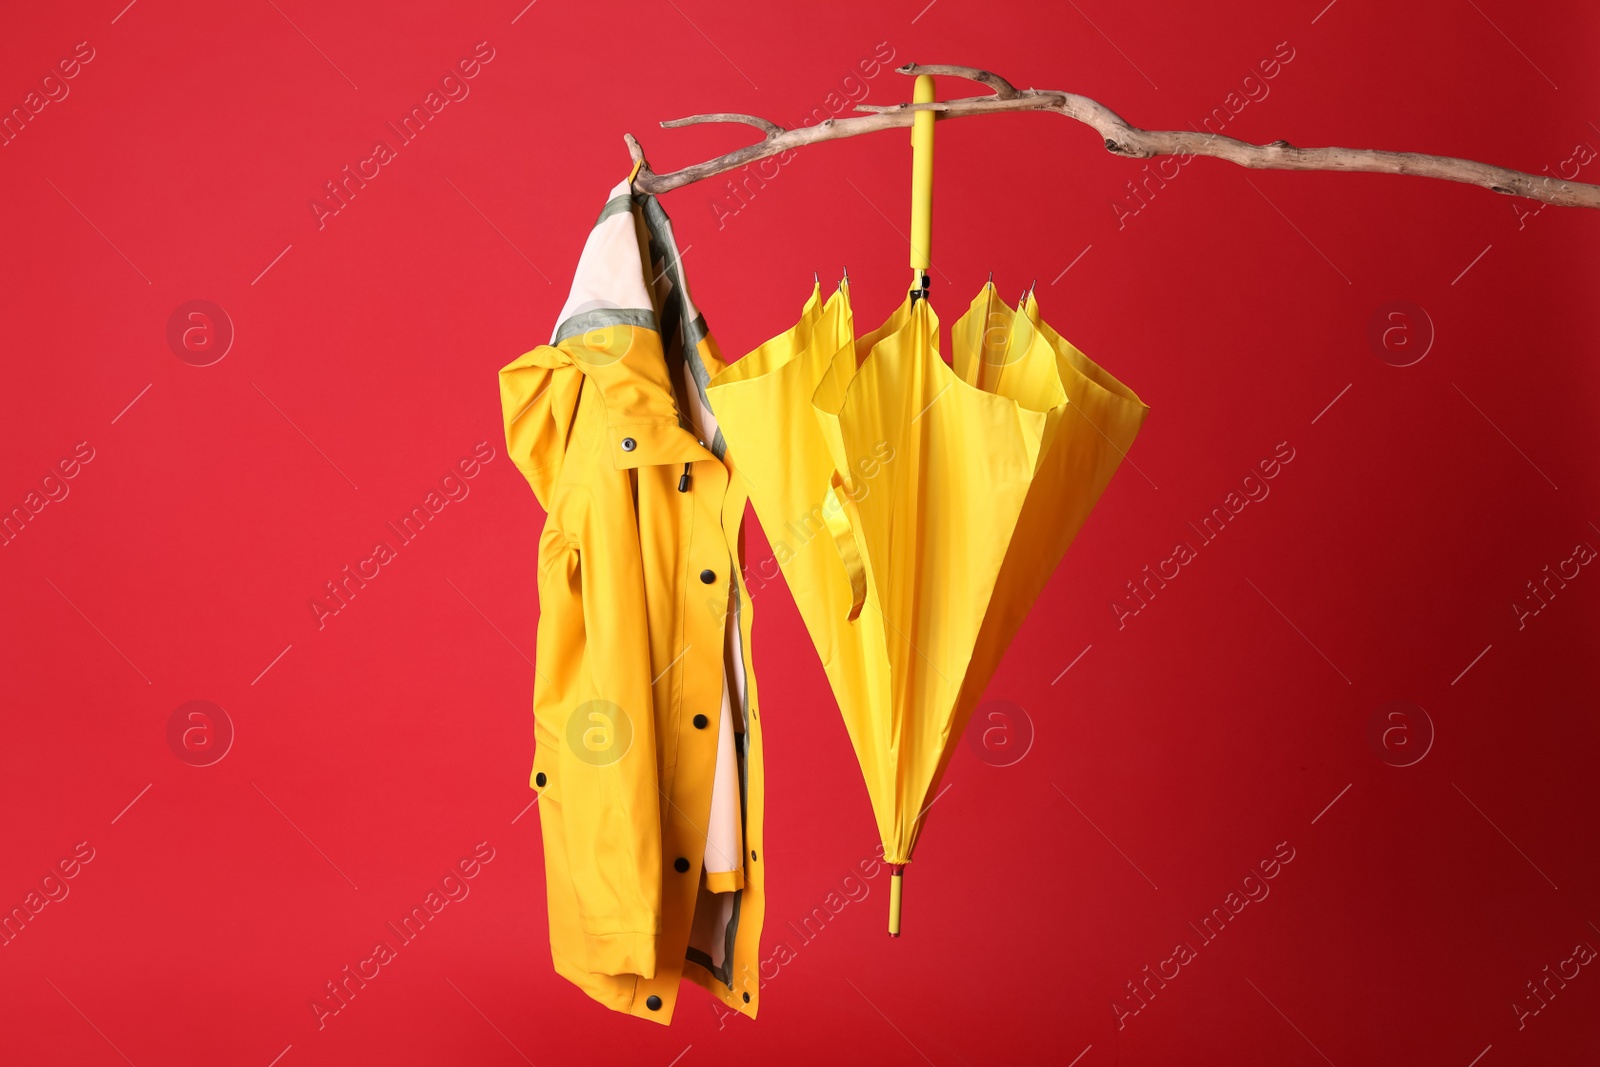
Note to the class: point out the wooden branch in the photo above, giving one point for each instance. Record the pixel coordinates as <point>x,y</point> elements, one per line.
<point>1120,137</point>
<point>772,128</point>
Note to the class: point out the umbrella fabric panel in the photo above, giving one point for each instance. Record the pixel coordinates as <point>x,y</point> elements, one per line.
<point>1088,438</point>
<point>763,403</point>
<point>933,529</point>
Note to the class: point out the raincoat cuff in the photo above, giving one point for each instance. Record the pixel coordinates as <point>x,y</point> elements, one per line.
<point>625,952</point>
<point>725,881</point>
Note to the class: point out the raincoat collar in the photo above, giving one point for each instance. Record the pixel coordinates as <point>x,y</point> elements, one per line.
<point>628,324</point>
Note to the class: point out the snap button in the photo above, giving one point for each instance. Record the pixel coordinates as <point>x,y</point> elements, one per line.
<point>701,722</point>
<point>747,998</point>
<point>680,865</point>
<point>629,444</point>
<point>708,576</point>
<point>539,779</point>
<point>752,855</point>
<point>653,1002</point>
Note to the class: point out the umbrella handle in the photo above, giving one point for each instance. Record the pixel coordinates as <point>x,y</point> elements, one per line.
<point>921,174</point>
<point>897,870</point>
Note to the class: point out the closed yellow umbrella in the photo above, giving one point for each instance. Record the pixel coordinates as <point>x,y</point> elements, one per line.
<point>915,507</point>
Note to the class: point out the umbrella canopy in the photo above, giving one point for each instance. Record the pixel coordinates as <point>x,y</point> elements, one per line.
<point>916,508</point>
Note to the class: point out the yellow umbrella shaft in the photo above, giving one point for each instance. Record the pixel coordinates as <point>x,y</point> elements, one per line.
<point>921,175</point>
<point>894,899</point>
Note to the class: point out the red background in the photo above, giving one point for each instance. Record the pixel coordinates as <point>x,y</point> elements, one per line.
<point>1225,717</point>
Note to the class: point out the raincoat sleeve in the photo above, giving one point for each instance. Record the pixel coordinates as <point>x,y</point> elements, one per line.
<point>608,769</point>
<point>538,400</point>
<point>596,752</point>
<point>595,760</point>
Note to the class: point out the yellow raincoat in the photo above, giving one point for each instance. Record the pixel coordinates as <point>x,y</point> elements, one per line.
<point>648,759</point>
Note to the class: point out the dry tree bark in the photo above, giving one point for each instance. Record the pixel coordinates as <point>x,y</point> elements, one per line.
<point>1121,138</point>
